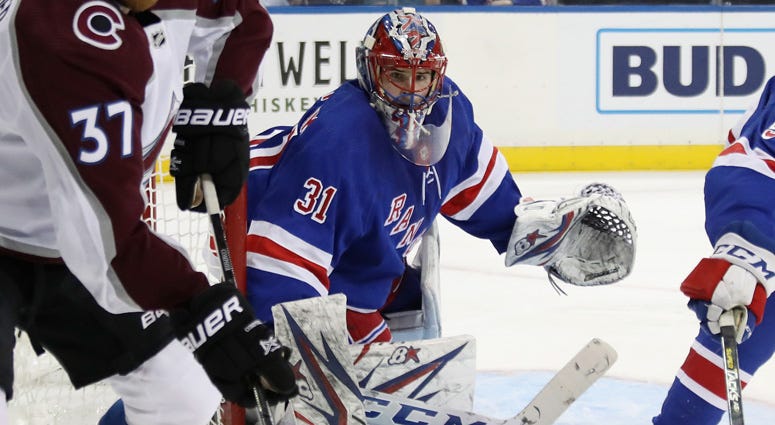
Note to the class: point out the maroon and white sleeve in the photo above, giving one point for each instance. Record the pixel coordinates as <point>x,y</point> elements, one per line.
<point>86,69</point>
<point>230,40</point>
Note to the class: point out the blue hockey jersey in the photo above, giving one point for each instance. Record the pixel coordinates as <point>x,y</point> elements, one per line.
<point>740,222</point>
<point>334,208</point>
<point>738,186</point>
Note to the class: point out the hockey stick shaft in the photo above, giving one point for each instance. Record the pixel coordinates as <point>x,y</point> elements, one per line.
<point>733,386</point>
<point>219,234</point>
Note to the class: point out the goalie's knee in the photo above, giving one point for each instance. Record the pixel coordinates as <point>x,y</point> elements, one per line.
<point>367,327</point>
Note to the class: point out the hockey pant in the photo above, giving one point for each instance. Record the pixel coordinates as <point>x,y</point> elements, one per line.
<point>174,374</point>
<point>365,327</point>
<point>160,381</point>
<point>410,313</point>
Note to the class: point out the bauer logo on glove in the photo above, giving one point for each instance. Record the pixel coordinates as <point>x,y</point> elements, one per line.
<point>585,240</point>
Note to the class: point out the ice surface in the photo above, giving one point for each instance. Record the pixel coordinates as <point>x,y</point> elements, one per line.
<point>609,401</point>
<point>525,331</point>
<point>521,324</point>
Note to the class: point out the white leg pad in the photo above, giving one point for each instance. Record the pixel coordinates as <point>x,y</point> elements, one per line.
<point>171,388</point>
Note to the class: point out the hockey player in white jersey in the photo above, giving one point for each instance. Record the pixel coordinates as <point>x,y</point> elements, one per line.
<point>337,201</point>
<point>89,90</point>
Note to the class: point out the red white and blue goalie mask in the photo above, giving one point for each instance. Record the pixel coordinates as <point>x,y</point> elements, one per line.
<point>401,63</point>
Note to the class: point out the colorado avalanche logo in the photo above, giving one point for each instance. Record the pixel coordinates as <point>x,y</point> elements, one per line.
<point>97,23</point>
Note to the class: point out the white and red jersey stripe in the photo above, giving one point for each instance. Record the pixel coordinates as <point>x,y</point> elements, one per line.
<point>465,198</point>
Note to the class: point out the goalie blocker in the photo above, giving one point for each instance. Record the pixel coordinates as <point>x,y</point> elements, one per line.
<point>585,240</point>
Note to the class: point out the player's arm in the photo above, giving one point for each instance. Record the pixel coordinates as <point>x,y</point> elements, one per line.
<point>740,273</point>
<point>94,159</point>
<point>289,256</point>
<point>225,76</point>
<point>229,42</point>
<point>587,241</point>
<point>482,202</point>
<point>741,270</point>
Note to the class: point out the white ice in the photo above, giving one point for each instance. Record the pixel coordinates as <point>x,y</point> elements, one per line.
<point>522,325</point>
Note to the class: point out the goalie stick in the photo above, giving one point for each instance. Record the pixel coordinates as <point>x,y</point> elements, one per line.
<point>731,367</point>
<point>327,364</point>
<point>214,212</point>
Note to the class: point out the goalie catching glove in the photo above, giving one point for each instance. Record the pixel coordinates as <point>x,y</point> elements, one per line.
<point>235,349</point>
<point>212,138</point>
<point>586,240</point>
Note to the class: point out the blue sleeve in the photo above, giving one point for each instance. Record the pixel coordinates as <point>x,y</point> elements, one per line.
<point>496,194</point>
<point>495,219</point>
<point>739,200</point>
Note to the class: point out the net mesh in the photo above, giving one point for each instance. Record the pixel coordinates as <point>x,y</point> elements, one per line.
<point>43,394</point>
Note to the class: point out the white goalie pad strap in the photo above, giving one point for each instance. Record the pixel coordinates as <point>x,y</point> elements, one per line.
<point>586,240</point>
<point>752,258</point>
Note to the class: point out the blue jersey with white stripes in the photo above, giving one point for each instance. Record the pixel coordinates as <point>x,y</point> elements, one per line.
<point>739,219</point>
<point>334,208</point>
<point>739,187</point>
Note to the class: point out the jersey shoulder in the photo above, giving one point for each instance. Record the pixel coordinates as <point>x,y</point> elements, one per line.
<point>341,125</point>
<point>81,43</point>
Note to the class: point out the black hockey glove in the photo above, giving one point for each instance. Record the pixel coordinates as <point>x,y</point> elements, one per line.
<point>236,350</point>
<point>212,137</point>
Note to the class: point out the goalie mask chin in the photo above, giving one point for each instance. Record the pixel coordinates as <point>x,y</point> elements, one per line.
<point>420,144</point>
<point>401,64</point>
<point>586,240</point>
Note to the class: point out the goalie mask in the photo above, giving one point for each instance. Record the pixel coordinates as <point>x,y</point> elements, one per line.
<point>401,64</point>
<point>585,240</point>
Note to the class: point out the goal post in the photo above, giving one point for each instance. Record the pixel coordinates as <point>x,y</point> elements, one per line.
<point>235,227</point>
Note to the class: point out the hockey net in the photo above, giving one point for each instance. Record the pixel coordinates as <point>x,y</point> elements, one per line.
<point>43,394</point>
